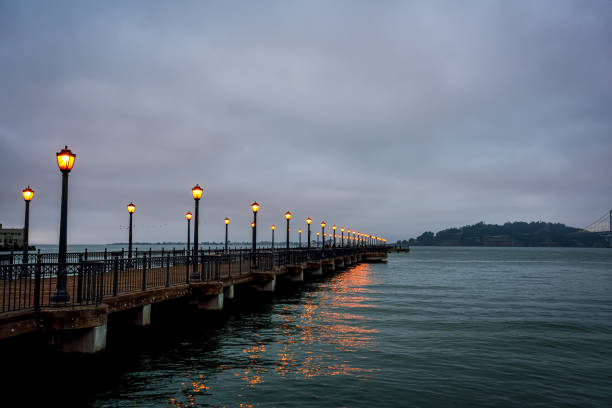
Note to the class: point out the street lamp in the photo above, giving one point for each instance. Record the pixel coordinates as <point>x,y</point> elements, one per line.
<point>318,238</point>
<point>342,239</point>
<point>273,228</point>
<point>131,208</point>
<point>28,195</point>
<point>323,233</point>
<point>308,221</point>
<point>188,216</point>
<point>196,192</point>
<point>300,238</point>
<point>227,220</point>
<point>348,238</point>
<point>65,161</point>
<point>334,228</point>
<point>288,218</point>
<point>255,208</point>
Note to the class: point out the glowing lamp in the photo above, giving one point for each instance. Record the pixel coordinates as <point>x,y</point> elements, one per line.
<point>288,215</point>
<point>188,215</point>
<point>323,224</point>
<point>28,194</point>
<point>131,208</point>
<point>197,192</point>
<point>65,159</point>
<point>255,206</point>
<point>308,220</point>
<point>226,221</point>
<point>342,229</point>
<point>299,231</point>
<point>252,225</point>
<point>273,227</point>
<point>334,227</point>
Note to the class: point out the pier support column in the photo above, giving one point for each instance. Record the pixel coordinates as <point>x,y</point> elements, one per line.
<point>265,283</point>
<point>328,265</point>
<point>314,268</point>
<point>339,262</point>
<point>141,316</point>
<point>87,341</point>
<point>211,302</point>
<point>295,273</point>
<point>228,292</point>
<point>348,260</point>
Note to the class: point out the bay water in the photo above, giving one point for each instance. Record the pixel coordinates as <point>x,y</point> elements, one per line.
<point>436,327</point>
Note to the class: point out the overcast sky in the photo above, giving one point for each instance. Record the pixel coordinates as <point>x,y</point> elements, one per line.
<point>391,117</point>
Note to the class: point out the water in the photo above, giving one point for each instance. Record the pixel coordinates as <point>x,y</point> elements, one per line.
<point>438,327</point>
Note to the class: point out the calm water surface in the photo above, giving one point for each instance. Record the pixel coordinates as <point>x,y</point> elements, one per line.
<point>436,327</point>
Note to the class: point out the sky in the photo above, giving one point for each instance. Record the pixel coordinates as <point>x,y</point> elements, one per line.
<point>391,118</point>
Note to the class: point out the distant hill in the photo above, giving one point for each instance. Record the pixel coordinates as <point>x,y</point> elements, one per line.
<point>512,234</point>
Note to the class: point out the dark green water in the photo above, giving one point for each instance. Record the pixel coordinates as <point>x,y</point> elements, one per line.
<point>434,328</point>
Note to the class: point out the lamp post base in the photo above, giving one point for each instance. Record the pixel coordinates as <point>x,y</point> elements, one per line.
<point>60,296</point>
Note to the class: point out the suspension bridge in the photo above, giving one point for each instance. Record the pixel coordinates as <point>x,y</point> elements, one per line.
<point>602,226</point>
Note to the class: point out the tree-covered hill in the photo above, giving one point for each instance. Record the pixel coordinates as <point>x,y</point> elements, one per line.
<point>512,234</point>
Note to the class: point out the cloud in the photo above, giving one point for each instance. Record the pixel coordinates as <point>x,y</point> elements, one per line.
<point>390,118</point>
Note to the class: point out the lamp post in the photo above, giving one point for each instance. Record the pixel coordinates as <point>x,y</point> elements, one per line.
<point>288,218</point>
<point>323,233</point>
<point>308,221</point>
<point>334,228</point>
<point>28,194</point>
<point>188,216</point>
<point>255,208</point>
<point>318,238</point>
<point>300,238</point>
<point>131,208</point>
<point>196,192</point>
<point>226,221</point>
<point>65,161</point>
<point>342,239</point>
<point>348,238</point>
<point>273,228</point>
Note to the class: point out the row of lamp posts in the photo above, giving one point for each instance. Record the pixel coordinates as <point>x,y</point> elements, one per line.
<point>65,161</point>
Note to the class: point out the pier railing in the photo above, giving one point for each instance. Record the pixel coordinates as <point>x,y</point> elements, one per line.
<point>97,275</point>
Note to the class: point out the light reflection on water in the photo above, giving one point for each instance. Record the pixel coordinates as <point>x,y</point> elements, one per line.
<point>306,339</point>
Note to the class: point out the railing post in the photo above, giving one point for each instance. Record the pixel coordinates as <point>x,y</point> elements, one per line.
<point>115,276</point>
<point>37,283</point>
<point>80,280</point>
<point>100,269</point>
<point>85,254</point>
<point>168,270</point>
<point>105,254</point>
<point>144,272</point>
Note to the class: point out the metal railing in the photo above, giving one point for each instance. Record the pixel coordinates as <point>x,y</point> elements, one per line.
<point>92,277</point>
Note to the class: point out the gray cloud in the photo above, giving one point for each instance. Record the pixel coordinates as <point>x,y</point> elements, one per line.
<point>392,118</point>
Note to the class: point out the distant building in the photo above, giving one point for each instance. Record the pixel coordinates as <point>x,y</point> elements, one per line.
<point>11,237</point>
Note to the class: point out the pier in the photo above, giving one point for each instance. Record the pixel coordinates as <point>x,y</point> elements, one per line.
<point>99,284</point>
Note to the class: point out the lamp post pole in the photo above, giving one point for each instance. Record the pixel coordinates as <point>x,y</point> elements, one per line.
<point>273,227</point>
<point>323,236</point>
<point>188,216</point>
<point>308,221</point>
<point>28,194</point>
<point>255,208</point>
<point>227,221</point>
<point>196,192</point>
<point>65,161</point>
<point>334,228</point>
<point>131,208</point>
<point>288,218</point>
<point>300,238</point>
